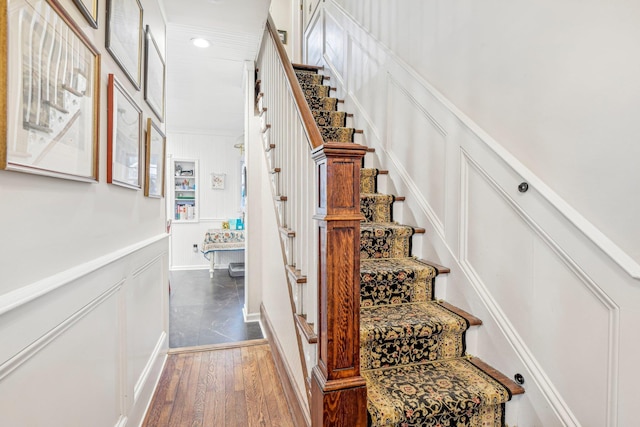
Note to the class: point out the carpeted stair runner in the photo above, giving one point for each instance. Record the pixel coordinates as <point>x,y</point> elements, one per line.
<point>331,123</point>
<point>412,348</point>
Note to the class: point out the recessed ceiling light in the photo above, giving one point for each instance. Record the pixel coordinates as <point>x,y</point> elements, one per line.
<point>200,42</point>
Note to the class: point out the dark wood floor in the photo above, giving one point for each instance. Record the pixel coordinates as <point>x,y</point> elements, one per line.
<point>233,385</point>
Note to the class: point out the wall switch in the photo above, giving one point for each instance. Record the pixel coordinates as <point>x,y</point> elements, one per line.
<point>195,247</point>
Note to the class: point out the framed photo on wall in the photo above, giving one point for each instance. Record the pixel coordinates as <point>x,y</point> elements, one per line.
<point>124,137</point>
<point>154,76</point>
<point>124,37</point>
<point>89,9</point>
<point>154,164</point>
<point>50,92</point>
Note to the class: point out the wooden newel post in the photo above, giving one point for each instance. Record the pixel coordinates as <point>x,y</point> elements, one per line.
<point>338,392</point>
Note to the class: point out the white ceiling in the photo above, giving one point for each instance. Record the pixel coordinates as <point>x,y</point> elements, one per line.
<point>204,86</point>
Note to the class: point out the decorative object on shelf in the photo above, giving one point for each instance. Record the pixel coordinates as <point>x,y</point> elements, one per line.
<point>89,9</point>
<point>51,125</point>
<point>154,76</point>
<point>155,149</point>
<point>283,36</point>
<point>217,181</point>
<point>124,137</point>
<point>124,37</point>
<point>225,225</point>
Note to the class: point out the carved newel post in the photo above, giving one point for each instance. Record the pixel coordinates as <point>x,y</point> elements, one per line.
<point>338,392</point>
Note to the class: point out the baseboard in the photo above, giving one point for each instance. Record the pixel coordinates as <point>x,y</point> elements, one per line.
<point>251,317</point>
<point>295,402</point>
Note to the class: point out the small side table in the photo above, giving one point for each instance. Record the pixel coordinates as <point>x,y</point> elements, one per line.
<point>221,240</point>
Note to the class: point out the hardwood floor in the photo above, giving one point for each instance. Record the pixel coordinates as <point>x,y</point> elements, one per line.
<point>228,385</point>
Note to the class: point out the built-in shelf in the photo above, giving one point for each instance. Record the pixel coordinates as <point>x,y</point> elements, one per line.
<point>184,190</point>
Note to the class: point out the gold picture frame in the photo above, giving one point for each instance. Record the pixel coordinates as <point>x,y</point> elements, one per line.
<point>89,9</point>
<point>50,74</point>
<point>155,148</point>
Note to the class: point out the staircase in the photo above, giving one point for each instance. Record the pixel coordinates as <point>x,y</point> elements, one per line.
<point>412,347</point>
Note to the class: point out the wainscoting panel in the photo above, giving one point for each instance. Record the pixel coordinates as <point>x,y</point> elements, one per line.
<point>334,44</point>
<point>417,144</point>
<point>145,321</point>
<point>71,380</point>
<point>528,277</point>
<point>367,85</point>
<point>79,346</point>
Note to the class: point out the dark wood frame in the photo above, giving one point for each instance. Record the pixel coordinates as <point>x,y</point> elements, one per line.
<point>148,91</point>
<point>115,89</point>
<point>152,127</point>
<point>92,90</point>
<point>90,15</point>
<point>136,79</point>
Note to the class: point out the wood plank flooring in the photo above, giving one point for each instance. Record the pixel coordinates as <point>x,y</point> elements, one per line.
<point>232,385</point>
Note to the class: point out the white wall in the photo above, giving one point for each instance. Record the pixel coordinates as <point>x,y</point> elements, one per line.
<point>215,153</point>
<point>464,103</point>
<point>555,86</point>
<point>82,285</point>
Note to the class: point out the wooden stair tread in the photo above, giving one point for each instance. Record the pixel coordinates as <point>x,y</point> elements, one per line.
<point>307,67</point>
<point>287,232</point>
<point>306,328</point>
<point>296,275</point>
<point>473,320</point>
<point>439,268</point>
<point>509,384</point>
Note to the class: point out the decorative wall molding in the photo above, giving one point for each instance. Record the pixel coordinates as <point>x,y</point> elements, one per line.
<point>147,265</point>
<point>558,404</point>
<point>34,348</point>
<point>28,293</point>
<point>144,377</point>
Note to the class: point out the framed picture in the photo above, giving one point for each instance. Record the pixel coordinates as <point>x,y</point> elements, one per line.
<point>124,137</point>
<point>124,37</point>
<point>89,9</point>
<point>154,76</point>
<point>154,172</point>
<point>49,89</point>
<point>217,181</point>
<point>283,36</point>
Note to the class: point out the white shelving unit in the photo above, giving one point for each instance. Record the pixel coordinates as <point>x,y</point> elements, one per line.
<point>184,190</point>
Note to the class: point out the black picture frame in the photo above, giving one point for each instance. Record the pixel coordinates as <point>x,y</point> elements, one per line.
<point>125,46</point>
<point>154,76</point>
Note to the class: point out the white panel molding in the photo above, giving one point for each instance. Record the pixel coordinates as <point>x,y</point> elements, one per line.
<point>147,265</point>
<point>122,421</point>
<point>144,376</point>
<point>34,348</point>
<point>405,176</point>
<point>26,294</point>
<point>328,16</point>
<point>554,398</point>
<point>395,82</point>
<point>603,242</point>
<point>191,267</point>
